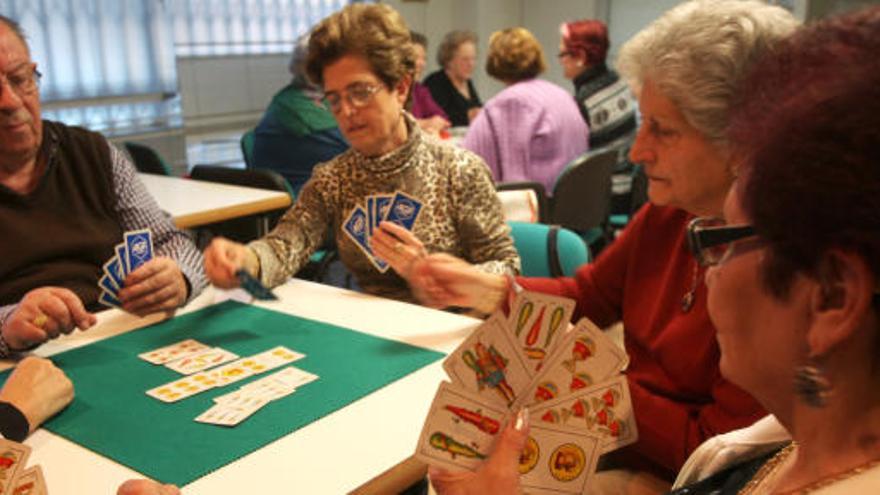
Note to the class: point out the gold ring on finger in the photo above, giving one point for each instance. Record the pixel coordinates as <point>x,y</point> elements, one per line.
<point>398,247</point>
<point>40,320</point>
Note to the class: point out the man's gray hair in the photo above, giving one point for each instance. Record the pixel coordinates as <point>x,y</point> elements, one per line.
<point>15,27</point>
<point>696,54</point>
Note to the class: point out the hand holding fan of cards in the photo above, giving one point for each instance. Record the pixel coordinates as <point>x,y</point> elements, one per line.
<point>131,254</point>
<point>363,221</point>
<point>568,376</point>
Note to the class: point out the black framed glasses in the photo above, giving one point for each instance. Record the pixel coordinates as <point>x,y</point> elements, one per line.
<point>23,81</point>
<point>712,241</point>
<point>358,95</point>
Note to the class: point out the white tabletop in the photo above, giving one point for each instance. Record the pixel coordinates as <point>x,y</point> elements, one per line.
<point>192,203</point>
<point>333,455</point>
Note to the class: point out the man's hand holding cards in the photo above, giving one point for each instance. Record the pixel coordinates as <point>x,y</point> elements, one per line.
<point>137,281</point>
<point>569,377</point>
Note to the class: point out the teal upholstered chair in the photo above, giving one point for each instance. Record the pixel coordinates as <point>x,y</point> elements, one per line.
<point>247,148</point>
<point>548,250</point>
<point>146,160</point>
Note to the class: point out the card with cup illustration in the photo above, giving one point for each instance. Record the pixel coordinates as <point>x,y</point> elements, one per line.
<point>604,409</point>
<point>584,356</point>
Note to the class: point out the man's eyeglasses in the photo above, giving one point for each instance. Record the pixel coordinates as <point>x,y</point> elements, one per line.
<point>564,53</point>
<point>712,241</point>
<point>23,81</point>
<point>358,95</point>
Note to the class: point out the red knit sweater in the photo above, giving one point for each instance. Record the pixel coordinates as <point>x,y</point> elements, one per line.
<point>678,394</point>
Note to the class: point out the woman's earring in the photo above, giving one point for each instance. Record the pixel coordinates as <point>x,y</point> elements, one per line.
<point>812,386</point>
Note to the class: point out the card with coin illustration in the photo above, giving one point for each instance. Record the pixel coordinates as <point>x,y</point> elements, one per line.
<point>558,459</point>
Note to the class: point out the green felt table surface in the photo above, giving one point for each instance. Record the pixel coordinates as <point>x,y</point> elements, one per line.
<point>112,416</point>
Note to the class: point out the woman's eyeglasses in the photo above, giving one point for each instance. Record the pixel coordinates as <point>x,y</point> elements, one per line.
<point>358,95</point>
<point>712,241</point>
<point>564,53</point>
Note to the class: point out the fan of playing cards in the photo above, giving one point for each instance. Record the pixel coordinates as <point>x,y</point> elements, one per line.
<point>568,376</point>
<point>134,251</point>
<point>398,208</point>
<point>14,478</point>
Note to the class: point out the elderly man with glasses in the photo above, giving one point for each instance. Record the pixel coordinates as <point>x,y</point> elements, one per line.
<point>66,198</point>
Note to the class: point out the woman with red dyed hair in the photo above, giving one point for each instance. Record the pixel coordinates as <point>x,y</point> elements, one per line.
<point>605,101</point>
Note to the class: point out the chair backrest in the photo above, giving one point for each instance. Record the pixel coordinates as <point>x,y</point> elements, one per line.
<point>582,193</point>
<point>536,187</point>
<point>259,178</point>
<point>146,159</point>
<point>240,229</point>
<point>247,148</point>
<point>548,250</point>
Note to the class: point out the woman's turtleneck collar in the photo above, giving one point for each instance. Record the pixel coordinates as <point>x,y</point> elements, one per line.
<point>398,159</point>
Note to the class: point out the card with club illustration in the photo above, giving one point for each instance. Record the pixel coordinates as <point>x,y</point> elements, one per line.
<point>604,409</point>
<point>558,459</point>
<point>13,459</point>
<point>537,321</point>
<point>488,364</point>
<point>583,357</point>
<point>172,352</point>
<point>460,429</point>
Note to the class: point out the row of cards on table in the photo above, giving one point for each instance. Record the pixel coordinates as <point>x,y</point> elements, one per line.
<point>398,208</point>
<point>135,250</point>
<point>211,367</point>
<point>570,378</point>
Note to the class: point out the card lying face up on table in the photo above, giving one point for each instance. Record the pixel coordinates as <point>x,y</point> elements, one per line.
<point>135,250</point>
<point>362,221</point>
<point>570,377</point>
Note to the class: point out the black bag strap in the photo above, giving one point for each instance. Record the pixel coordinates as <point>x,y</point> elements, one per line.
<point>553,251</point>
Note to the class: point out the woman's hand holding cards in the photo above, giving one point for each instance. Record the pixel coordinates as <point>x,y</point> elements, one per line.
<point>399,247</point>
<point>224,257</point>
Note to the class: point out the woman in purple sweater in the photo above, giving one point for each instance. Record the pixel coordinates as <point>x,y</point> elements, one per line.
<point>532,129</point>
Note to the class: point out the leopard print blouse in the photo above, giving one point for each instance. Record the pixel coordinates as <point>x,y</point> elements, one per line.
<point>461,214</point>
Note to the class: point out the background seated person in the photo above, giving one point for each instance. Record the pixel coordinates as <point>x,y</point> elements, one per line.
<point>66,198</point>
<point>297,132</point>
<point>364,60</point>
<point>431,118</point>
<point>605,100</point>
<point>451,86</point>
<point>532,129</point>
<point>647,277</point>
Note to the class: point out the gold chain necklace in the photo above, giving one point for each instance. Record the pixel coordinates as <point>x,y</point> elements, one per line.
<point>687,301</point>
<point>769,468</point>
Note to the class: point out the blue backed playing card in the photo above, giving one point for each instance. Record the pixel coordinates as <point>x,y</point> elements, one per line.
<point>113,269</point>
<point>109,300</point>
<point>404,210</point>
<point>106,284</point>
<point>123,261</point>
<point>356,226</point>
<point>139,248</point>
<point>253,286</point>
<point>383,201</point>
<point>372,219</point>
